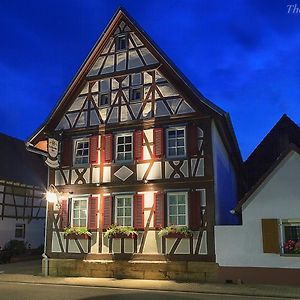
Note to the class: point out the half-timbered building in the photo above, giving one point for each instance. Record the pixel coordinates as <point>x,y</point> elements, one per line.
<point>138,146</point>
<point>23,182</point>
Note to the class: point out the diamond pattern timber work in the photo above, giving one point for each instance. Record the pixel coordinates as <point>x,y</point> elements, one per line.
<point>123,173</point>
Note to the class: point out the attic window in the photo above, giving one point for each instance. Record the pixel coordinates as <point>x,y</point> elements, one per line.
<point>104,99</point>
<point>121,43</point>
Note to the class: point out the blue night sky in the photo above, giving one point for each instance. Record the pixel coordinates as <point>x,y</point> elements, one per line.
<point>242,55</point>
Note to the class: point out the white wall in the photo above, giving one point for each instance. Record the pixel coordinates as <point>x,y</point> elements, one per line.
<point>278,197</point>
<point>34,231</point>
<point>225,184</point>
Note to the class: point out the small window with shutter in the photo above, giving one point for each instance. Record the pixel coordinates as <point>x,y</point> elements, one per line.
<point>79,212</point>
<point>177,208</point>
<point>124,210</point>
<point>176,142</point>
<point>81,151</point>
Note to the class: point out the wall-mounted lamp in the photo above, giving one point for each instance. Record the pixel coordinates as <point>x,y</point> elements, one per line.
<point>53,196</point>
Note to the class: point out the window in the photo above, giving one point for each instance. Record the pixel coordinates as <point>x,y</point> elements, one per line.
<point>291,237</point>
<point>177,208</point>
<point>121,43</point>
<point>124,147</point>
<point>20,231</point>
<point>135,94</point>
<point>79,212</point>
<point>81,152</point>
<point>176,142</point>
<point>104,99</point>
<point>123,214</point>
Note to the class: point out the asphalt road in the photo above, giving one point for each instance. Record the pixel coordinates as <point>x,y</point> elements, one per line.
<point>26,291</point>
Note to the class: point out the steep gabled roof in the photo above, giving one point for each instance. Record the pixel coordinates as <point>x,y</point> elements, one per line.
<point>19,165</point>
<point>277,141</point>
<point>247,197</point>
<point>165,65</point>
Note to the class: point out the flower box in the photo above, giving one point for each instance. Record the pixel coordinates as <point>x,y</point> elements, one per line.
<point>176,235</point>
<point>74,236</point>
<point>123,236</point>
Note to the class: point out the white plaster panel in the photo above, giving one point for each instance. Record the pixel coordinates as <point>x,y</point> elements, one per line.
<point>184,108</point>
<point>103,113</point>
<point>183,247</point>
<point>128,245</point>
<point>169,244</point>
<point>116,245</point>
<point>200,169</point>
<point>152,243</point>
<point>108,65</point>
<point>155,172</point>
<point>73,176</point>
<point>141,169</point>
<point>105,244</point>
<point>203,245</point>
<point>161,109</point>
<point>134,60</point>
<point>136,40</point>
<point>149,135</point>
<point>1,188</point>
<point>96,175</point>
<point>148,199</point>
<point>86,175</point>
<point>55,243</point>
<point>73,248</point>
<point>184,168</point>
<point>148,57</point>
<point>78,103</point>
<point>168,170</point>
<point>63,124</point>
<point>106,174</point>
<point>121,61</point>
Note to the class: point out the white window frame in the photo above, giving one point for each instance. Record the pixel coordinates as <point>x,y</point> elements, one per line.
<point>186,207</point>
<point>117,42</point>
<point>76,141</point>
<point>72,210</point>
<point>116,208</point>
<point>167,141</point>
<point>116,147</point>
<point>283,239</point>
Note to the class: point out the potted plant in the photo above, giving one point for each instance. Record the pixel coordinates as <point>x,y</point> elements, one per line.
<point>116,231</point>
<point>175,232</point>
<point>76,233</point>
<point>291,247</point>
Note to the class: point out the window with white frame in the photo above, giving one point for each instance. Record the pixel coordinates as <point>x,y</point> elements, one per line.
<point>123,210</point>
<point>176,144</point>
<point>177,208</point>
<point>124,147</point>
<point>290,236</point>
<point>79,212</point>
<point>20,231</point>
<point>121,43</point>
<point>81,152</point>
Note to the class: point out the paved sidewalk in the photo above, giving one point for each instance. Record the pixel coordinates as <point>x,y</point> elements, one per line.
<point>22,272</point>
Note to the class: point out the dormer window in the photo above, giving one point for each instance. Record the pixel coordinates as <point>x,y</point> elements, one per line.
<point>135,94</point>
<point>121,43</point>
<point>104,99</point>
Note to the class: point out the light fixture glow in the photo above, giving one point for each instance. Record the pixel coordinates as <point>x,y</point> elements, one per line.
<point>51,197</point>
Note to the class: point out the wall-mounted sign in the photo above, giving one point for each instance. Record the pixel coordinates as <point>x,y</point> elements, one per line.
<point>52,159</point>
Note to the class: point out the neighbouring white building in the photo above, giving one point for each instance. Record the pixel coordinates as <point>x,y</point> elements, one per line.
<point>264,248</point>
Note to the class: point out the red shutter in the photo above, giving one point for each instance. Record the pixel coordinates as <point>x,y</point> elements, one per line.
<point>94,156</point>
<point>194,209</point>
<point>106,211</point>
<point>158,141</point>
<point>64,214</point>
<point>67,152</point>
<point>107,144</point>
<point>138,144</point>
<point>192,141</point>
<point>93,213</point>
<point>138,211</point>
<point>159,210</point>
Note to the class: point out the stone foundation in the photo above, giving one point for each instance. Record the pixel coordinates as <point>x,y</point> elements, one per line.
<point>170,270</point>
